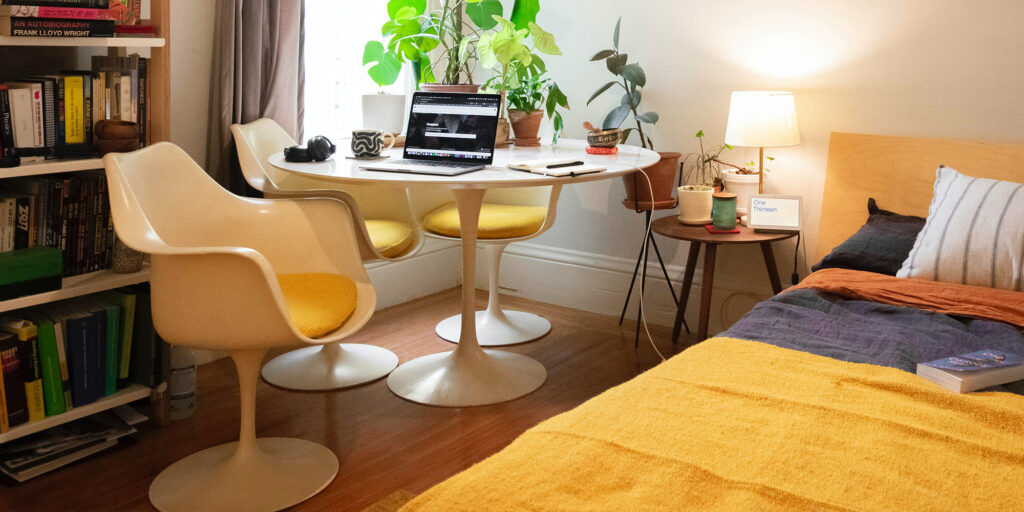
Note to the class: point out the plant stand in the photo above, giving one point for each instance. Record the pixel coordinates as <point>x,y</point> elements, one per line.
<point>643,257</point>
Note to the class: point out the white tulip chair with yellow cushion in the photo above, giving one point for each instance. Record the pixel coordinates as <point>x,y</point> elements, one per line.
<point>387,233</point>
<point>507,215</point>
<point>243,276</point>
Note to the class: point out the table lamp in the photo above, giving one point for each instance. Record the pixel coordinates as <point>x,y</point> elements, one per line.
<point>762,119</point>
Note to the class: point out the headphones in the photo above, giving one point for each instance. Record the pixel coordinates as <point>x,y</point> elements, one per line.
<point>317,149</point>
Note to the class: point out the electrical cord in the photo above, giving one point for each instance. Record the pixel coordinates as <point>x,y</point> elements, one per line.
<point>647,234</point>
<point>795,279</point>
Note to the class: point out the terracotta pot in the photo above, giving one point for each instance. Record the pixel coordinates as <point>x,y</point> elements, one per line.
<point>525,126</point>
<point>663,182</point>
<point>465,88</point>
<point>501,133</point>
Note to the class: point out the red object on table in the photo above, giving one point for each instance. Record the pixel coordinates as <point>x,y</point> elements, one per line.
<point>602,151</point>
<point>711,229</point>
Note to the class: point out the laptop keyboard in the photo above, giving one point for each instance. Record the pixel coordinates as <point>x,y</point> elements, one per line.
<point>432,163</point>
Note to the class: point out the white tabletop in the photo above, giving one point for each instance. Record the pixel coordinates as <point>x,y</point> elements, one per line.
<point>338,168</point>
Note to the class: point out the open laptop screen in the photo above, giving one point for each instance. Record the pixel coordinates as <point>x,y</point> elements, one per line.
<point>452,127</point>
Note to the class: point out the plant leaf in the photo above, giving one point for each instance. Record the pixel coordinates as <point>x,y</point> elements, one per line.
<point>543,40</point>
<point>603,54</point>
<point>602,89</point>
<point>387,67</point>
<point>556,98</point>
<point>405,14</point>
<point>648,117</point>
<point>420,6</point>
<point>700,133</point>
<point>635,96</point>
<point>524,12</point>
<point>615,35</point>
<point>625,135</point>
<point>615,118</point>
<point>633,73</point>
<point>482,12</point>
<point>616,63</point>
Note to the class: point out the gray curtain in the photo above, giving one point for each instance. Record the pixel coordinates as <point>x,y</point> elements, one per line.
<point>257,72</point>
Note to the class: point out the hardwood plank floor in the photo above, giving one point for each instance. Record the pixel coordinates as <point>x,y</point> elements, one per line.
<point>383,443</point>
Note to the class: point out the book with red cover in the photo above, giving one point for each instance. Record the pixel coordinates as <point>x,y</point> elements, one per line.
<point>711,229</point>
<point>37,11</point>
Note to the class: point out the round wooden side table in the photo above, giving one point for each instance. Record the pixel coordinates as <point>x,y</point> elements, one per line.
<point>697,236</point>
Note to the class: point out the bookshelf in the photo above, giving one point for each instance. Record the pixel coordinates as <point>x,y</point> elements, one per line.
<point>26,53</point>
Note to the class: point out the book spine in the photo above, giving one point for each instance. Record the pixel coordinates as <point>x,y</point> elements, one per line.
<point>87,106</point>
<point>66,224</point>
<point>127,332</point>
<point>49,27</point>
<point>78,13</point>
<point>112,356</point>
<point>143,89</point>
<point>22,221</point>
<point>33,214</point>
<point>4,425</point>
<point>49,114</point>
<point>14,382</point>
<point>32,371</point>
<point>80,364</point>
<point>74,116</point>
<point>59,105</point>
<point>6,124</point>
<point>8,219</point>
<point>49,361</point>
<point>87,4</point>
<point>60,333</point>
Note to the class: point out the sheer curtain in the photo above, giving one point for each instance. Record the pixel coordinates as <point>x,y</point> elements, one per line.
<point>336,79</point>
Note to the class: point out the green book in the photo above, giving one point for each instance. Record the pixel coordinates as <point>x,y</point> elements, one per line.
<point>30,264</point>
<point>111,334</point>
<point>49,360</point>
<point>125,297</point>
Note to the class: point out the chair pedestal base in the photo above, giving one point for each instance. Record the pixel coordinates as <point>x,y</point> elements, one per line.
<point>279,473</point>
<point>465,378</point>
<point>496,330</point>
<point>332,366</point>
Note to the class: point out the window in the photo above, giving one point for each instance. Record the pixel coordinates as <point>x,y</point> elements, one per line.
<point>336,79</point>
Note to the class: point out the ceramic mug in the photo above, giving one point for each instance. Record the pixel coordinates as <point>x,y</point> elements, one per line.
<point>723,211</point>
<point>370,143</point>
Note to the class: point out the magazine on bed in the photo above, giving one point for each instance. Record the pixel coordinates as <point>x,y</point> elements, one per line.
<point>973,371</point>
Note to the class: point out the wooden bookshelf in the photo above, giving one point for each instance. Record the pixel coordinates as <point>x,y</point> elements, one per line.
<point>127,395</point>
<point>77,286</point>
<point>51,167</point>
<point>81,42</point>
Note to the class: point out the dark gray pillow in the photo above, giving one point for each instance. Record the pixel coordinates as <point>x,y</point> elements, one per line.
<point>879,246</point>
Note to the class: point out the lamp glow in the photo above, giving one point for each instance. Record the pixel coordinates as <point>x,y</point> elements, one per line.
<point>762,119</point>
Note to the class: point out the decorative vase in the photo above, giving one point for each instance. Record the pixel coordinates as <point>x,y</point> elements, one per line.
<point>695,204</point>
<point>525,126</point>
<point>384,112</point>
<point>502,133</point>
<point>125,260</point>
<point>743,185</point>
<point>723,211</point>
<point>662,175</point>
<point>462,88</point>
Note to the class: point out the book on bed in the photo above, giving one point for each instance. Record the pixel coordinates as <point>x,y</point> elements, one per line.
<point>973,371</point>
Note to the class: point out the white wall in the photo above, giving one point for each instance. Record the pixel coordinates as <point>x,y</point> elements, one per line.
<point>942,68</point>
<point>191,57</point>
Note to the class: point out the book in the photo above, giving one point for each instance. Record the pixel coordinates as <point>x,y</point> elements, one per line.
<point>28,355</point>
<point>23,119</point>
<point>14,380</point>
<point>6,125</point>
<point>109,333</point>
<point>556,167</point>
<point>145,355</point>
<point>711,229</point>
<point>29,271</point>
<point>125,298</point>
<point>55,27</point>
<point>50,366</point>
<point>38,11</point>
<point>973,371</point>
<point>88,4</point>
<point>19,218</point>
<point>45,451</point>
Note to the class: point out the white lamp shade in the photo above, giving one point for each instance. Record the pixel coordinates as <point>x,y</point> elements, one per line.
<point>763,119</point>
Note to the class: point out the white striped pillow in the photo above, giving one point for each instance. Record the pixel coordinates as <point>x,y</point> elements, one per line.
<point>974,233</point>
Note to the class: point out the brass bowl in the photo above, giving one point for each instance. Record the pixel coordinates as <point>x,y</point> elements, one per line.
<point>604,138</point>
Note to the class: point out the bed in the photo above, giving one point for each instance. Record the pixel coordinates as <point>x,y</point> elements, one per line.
<point>807,403</point>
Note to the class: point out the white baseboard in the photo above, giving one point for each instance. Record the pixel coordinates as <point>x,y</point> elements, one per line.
<point>598,283</point>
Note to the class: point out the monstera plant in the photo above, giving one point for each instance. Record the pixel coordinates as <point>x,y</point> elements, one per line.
<point>413,33</point>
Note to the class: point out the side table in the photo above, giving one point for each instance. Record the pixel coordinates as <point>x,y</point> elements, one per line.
<point>697,236</point>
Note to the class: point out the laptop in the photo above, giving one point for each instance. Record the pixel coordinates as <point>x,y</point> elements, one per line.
<point>448,134</point>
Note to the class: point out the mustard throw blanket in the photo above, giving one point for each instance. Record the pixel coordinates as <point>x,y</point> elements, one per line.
<point>739,425</point>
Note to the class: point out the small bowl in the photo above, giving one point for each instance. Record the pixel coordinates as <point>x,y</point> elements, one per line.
<point>604,138</point>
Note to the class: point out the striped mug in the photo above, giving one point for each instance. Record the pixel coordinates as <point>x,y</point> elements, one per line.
<point>370,143</point>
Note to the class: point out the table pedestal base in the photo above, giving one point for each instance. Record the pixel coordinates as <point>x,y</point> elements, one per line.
<point>467,378</point>
<point>496,330</point>
<point>331,366</point>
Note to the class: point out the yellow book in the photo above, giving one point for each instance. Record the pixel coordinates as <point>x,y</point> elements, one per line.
<point>27,333</point>
<point>74,110</point>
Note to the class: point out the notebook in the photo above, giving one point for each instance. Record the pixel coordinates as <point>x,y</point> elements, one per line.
<point>556,167</point>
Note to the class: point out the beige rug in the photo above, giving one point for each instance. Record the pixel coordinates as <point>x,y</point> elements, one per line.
<point>392,502</point>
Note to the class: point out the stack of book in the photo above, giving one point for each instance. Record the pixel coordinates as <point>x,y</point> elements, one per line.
<point>39,453</point>
<point>53,115</point>
<point>70,18</point>
<point>72,353</point>
<point>979,370</point>
<point>70,212</point>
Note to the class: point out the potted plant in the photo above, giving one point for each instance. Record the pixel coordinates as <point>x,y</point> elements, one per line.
<point>703,179</point>
<point>413,33</point>
<point>632,79</point>
<point>742,181</point>
<point>512,53</point>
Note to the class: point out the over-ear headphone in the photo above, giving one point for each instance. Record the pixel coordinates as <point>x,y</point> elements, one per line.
<point>317,149</point>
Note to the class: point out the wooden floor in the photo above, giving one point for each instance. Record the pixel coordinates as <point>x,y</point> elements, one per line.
<point>383,443</point>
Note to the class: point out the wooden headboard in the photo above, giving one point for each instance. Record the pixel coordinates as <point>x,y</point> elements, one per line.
<point>899,173</point>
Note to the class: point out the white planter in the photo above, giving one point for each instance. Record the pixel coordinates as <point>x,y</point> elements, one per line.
<point>695,204</point>
<point>384,112</point>
<point>743,185</point>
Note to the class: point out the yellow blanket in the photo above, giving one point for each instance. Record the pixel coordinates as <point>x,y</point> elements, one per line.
<point>739,425</point>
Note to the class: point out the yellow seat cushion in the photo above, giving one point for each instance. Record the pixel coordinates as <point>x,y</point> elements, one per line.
<point>390,237</point>
<point>318,303</point>
<point>496,221</point>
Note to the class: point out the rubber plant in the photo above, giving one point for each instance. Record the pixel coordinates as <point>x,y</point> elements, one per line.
<point>513,54</point>
<point>412,33</point>
<point>630,77</point>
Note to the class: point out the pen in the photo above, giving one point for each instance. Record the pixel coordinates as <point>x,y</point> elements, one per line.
<point>566,164</point>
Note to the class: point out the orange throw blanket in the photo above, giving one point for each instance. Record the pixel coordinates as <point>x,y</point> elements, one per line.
<point>948,298</point>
